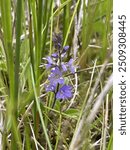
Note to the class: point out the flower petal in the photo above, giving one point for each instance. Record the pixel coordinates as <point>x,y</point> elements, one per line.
<point>48,66</point>
<point>71,66</point>
<point>61,80</point>
<point>64,67</point>
<point>55,55</point>
<point>49,59</point>
<point>65,48</point>
<point>64,92</point>
<point>71,61</point>
<point>50,88</point>
<point>72,69</point>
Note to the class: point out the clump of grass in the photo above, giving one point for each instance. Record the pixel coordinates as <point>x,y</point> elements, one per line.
<point>27,119</point>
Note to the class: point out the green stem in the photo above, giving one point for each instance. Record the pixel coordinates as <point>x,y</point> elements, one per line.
<point>17,51</point>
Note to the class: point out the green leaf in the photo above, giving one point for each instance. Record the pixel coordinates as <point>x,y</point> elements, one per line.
<point>72,112</point>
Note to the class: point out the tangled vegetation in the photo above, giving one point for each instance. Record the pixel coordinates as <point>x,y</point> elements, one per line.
<point>56,75</point>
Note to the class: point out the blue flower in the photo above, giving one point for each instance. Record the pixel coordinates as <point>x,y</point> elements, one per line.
<point>65,92</point>
<point>56,76</point>
<point>68,66</point>
<point>50,62</point>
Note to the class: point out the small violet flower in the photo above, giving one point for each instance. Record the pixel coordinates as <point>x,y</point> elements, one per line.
<point>71,66</point>
<point>64,67</point>
<point>50,62</point>
<point>56,76</point>
<point>50,88</point>
<point>64,92</point>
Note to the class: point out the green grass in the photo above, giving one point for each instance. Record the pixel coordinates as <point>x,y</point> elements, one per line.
<point>27,120</point>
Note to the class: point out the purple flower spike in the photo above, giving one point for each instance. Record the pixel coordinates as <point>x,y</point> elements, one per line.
<point>65,48</point>
<point>58,67</point>
<point>64,92</point>
<point>56,76</point>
